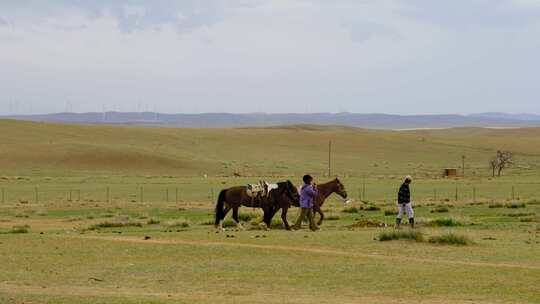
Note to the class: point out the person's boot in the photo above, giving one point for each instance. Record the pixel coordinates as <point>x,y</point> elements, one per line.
<point>411,222</point>
<point>398,223</point>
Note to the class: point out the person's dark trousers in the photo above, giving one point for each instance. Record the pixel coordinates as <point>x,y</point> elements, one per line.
<point>311,217</point>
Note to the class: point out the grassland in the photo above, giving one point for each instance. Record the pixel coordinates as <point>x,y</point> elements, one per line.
<point>90,235</point>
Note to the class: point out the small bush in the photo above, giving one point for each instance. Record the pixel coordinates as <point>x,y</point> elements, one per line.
<point>365,223</point>
<point>246,217</point>
<point>389,212</point>
<point>533,202</point>
<point>371,208</point>
<point>153,222</point>
<point>229,223</point>
<point>515,206</point>
<point>115,225</point>
<point>20,229</point>
<point>401,235</point>
<point>177,224</point>
<point>41,212</point>
<point>21,215</point>
<point>492,206</point>
<point>519,214</point>
<point>440,209</point>
<point>350,210</point>
<point>529,220</point>
<point>332,217</point>
<point>444,222</point>
<point>450,239</point>
<point>90,217</point>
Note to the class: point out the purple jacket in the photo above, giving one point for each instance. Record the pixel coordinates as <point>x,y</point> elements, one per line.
<point>307,196</point>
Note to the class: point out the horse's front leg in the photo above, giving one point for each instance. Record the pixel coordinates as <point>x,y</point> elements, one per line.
<point>317,209</point>
<point>284,217</point>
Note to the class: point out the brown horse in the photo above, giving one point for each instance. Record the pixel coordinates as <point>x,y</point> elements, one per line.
<point>235,197</point>
<point>325,190</point>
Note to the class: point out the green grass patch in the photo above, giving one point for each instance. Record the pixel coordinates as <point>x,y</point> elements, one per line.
<point>350,210</point>
<point>444,222</point>
<point>111,224</point>
<point>182,223</point>
<point>371,208</point>
<point>450,239</point>
<point>412,235</point>
<point>390,212</point>
<point>515,206</point>
<point>20,229</point>
<point>440,209</point>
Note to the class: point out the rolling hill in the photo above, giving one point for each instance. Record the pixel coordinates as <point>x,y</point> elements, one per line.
<point>31,148</point>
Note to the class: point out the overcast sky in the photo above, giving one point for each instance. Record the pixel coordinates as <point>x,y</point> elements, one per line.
<point>365,56</point>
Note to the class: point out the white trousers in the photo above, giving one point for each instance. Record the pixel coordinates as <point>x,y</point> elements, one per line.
<point>402,208</point>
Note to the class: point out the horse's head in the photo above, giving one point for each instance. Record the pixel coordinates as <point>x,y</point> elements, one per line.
<point>340,188</point>
<point>291,192</point>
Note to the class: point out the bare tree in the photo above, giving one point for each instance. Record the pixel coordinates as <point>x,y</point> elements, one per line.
<point>501,161</point>
<point>493,164</point>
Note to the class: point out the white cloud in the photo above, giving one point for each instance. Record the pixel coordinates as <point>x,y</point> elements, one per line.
<point>408,56</point>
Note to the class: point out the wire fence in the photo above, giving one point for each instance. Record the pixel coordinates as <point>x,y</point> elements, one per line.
<point>363,191</point>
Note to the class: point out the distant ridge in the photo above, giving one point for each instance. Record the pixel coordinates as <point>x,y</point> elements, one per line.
<point>227,120</point>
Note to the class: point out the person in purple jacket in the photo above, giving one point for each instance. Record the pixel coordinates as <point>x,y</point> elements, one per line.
<point>308,193</point>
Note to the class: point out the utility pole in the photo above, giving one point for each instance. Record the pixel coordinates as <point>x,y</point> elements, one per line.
<point>329,159</point>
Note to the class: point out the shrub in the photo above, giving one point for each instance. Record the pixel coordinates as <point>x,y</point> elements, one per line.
<point>444,222</point>
<point>246,217</point>
<point>515,206</point>
<point>118,224</point>
<point>528,220</point>
<point>363,223</point>
<point>401,235</point>
<point>519,214</point>
<point>491,206</point>
<point>153,221</point>
<point>440,209</point>
<point>332,217</point>
<point>389,212</point>
<point>177,224</point>
<point>450,239</point>
<point>533,202</point>
<point>20,229</point>
<point>351,210</point>
<point>371,208</point>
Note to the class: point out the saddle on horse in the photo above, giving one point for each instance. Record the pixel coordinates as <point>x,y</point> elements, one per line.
<point>260,190</point>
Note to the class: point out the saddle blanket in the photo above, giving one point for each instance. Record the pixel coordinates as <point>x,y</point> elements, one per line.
<point>262,188</point>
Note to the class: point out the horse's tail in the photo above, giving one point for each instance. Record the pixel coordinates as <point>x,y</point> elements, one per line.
<point>220,210</point>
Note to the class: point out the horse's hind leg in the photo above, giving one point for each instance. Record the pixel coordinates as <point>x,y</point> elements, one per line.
<point>317,209</point>
<point>235,218</point>
<point>227,209</point>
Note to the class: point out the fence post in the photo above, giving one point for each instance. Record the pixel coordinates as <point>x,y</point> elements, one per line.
<point>167,194</point>
<point>513,193</point>
<point>176,195</point>
<point>108,195</point>
<point>70,195</point>
<point>364,189</point>
<point>457,195</point>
